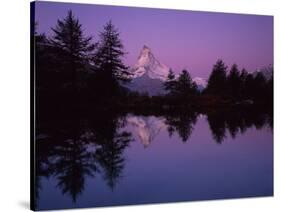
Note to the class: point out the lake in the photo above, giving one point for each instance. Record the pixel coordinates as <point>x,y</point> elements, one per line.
<point>107,160</point>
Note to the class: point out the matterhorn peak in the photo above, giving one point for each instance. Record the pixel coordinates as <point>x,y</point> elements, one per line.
<point>148,74</point>
<point>145,48</point>
<point>149,65</point>
<point>145,57</point>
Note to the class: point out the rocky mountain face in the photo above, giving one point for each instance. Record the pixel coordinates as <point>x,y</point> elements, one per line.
<point>148,75</point>
<point>148,65</point>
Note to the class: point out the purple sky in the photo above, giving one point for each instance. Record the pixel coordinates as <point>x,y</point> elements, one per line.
<point>180,39</point>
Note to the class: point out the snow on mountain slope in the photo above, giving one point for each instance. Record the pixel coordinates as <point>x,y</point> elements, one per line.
<point>148,75</point>
<point>148,64</point>
<point>144,84</point>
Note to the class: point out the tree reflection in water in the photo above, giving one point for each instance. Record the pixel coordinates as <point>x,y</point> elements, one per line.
<point>73,149</point>
<point>182,124</point>
<point>236,121</point>
<point>70,149</point>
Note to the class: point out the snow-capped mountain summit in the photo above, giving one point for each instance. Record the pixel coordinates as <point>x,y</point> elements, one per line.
<point>149,65</point>
<point>148,75</point>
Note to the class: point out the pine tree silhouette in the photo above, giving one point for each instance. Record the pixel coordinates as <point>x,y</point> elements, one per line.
<point>110,69</point>
<point>170,83</point>
<point>74,50</point>
<point>217,79</point>
<point>234,82</point>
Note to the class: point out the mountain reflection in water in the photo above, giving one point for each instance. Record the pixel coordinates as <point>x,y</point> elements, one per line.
<point>146,128</point>
<point>100,160</point>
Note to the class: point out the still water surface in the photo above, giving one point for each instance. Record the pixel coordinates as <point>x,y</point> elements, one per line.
<point>137,159</point>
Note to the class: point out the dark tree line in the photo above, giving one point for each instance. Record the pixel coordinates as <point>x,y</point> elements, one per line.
<point>182,87</point>
<point>230,87</point>
<point>224,123</point>
<point>72,66</point>
<point>239,85</point>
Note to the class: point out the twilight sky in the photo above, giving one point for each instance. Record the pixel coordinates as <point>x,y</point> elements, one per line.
<point>179,39</point>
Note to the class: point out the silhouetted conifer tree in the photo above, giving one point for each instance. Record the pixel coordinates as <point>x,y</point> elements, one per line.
<point>184,85</point>
<point>170,83</point>
<point>73,48</point>
<point>194,88</point>
<point>249,86</point>
<point>259,87</point>
<point>243,77</point>
<point>108,60</point>
<point>234,82</point>
<point>217,80</point>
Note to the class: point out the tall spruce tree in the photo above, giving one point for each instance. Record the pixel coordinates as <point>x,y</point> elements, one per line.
<point>234,82</point>
<point>184,85</point>
<point>217,80</point>
<point>170,83</point>
<point>110,52</point>
<point>43,62</point>
<point>260,87</point>
<point>249,86</point>
<point>243,77</point>
<point>73,48</point>
<point>110,69</point>
<point>194,88</point>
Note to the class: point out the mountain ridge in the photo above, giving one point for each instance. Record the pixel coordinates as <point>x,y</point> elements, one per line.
<point>148,75</point>
<point>147,63</point>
